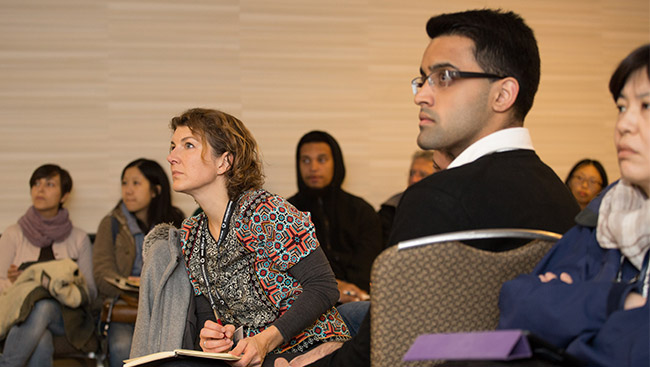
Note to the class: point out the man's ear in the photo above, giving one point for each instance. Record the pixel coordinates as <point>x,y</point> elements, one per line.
<point>506,94</point>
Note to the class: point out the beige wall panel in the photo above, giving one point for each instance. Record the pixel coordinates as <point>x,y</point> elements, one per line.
<point>166,57</point>
<point>53,94</point>
<point>92,84</point>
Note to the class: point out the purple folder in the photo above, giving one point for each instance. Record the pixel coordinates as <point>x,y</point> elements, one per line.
<point>502,345</point>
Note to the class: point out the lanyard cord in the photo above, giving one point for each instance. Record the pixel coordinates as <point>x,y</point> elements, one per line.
<point>224,231</point>
<point>643,276</point>
<point>646,277</point>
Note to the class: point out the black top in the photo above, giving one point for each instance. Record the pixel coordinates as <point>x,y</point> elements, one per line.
<point>347,227</point>
<point>387,215</point>
<point>512,189</point>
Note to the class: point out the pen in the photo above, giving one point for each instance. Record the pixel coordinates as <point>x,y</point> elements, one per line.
<point>216,317</point>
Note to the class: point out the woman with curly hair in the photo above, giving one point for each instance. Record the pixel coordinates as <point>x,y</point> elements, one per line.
<point>250,260</point>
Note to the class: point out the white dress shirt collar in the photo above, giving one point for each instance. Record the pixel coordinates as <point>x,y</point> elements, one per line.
<point>500,141</point>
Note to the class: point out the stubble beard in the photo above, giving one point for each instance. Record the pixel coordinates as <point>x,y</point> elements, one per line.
<point>429,138</point>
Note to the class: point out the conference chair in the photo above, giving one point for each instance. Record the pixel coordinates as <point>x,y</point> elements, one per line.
<point>438,284</point>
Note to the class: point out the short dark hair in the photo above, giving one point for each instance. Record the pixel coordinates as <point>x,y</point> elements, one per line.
<point>51,170</point>
<point>585,162</point>
<point>226,133</point>
<point>160,208</point>
<point>636,60</point>
<point>503,45</point>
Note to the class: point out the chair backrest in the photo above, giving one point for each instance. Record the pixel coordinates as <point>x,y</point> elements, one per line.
<point>438,284</point>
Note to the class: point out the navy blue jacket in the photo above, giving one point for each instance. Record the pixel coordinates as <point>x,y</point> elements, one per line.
<point>586,317</point>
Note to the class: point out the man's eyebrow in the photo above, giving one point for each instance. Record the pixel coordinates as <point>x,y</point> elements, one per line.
<point>442,65</point>
<point>435,67</point>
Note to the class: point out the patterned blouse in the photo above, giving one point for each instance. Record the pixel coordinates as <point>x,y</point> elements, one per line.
<point>249,271</point>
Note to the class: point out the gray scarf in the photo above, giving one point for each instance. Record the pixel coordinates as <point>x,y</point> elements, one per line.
<point>43,232</point>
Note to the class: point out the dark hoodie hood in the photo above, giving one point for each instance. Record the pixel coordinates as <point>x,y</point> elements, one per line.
<point>346,226</point>
<point>339,167</point>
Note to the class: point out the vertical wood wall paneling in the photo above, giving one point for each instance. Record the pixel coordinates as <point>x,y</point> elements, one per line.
<point>92,85</point>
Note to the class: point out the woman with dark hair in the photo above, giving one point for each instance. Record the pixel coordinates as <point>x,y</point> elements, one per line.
<point>250,260</point>
<point>586,180</point>
<point>117,252</point>
<point>589,295</point>
<point>44,233</point>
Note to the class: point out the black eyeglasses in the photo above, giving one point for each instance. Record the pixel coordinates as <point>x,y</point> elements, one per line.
<point>445,77</point>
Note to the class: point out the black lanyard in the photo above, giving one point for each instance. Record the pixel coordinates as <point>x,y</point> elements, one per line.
<point>203,260</point>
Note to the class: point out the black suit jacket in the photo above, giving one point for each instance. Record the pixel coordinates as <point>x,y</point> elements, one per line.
<point>512,189</point>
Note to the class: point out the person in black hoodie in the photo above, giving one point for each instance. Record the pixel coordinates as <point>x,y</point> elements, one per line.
<point>347,227</point>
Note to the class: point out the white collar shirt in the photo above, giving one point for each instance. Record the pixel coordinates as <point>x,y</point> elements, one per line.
<point>500,141</point>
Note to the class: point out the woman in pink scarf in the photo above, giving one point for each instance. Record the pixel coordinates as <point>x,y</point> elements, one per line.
<point>44,233</point>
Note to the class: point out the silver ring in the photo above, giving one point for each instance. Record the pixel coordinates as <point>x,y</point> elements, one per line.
<point>204,346</point>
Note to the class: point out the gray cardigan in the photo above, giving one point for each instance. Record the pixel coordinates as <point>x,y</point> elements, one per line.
<point>165,294</point>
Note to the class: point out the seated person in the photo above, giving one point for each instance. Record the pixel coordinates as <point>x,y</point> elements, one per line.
<point>117,252</point>
<point>590,293</point>
<point>586,180</point>
<point>250,260</point>
<point>423,164</point>
<point>44,233</point>
<point>347,227</point>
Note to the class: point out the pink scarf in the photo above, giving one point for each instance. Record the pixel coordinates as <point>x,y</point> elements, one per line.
<point>624,222</point>
<point>43,232</point>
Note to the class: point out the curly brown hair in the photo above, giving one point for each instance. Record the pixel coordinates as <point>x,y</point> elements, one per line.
<point>226,133</point>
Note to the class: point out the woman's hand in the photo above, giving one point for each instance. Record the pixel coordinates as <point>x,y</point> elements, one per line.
<point>548,276</point>
<point>133,280</point>
<point>13,273</point>
<point>634,300</point>
<point>216,338</point>
<point>253,350</point>
<point>309,357</point>
<point>349,292</point>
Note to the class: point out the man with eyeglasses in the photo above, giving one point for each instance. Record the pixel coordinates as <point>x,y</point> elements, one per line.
<point>478,78</point>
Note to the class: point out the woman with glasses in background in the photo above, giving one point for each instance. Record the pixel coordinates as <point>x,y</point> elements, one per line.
<point>586,180</point>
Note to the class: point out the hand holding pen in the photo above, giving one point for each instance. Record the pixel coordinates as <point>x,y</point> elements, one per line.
<point>216,338</point>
